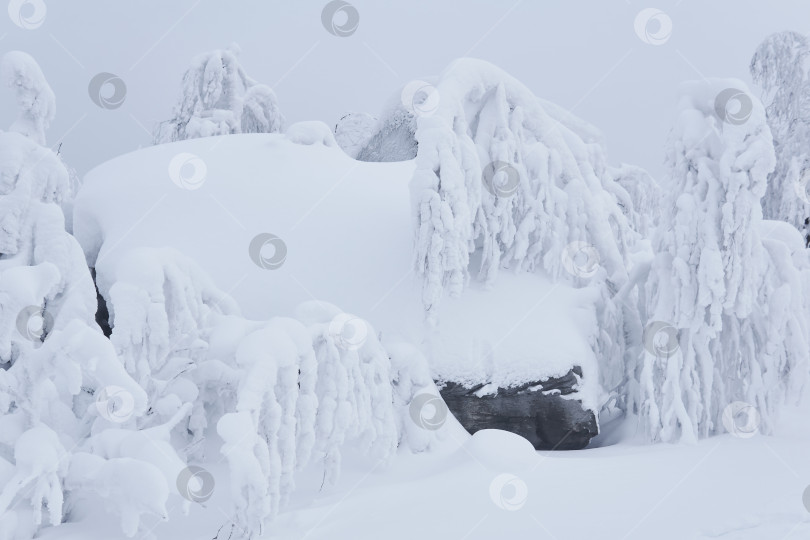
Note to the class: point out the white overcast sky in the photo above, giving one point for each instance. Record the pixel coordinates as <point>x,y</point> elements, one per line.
<point>581,54</point>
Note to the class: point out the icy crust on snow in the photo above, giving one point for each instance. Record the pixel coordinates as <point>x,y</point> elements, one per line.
<point>738,300</point>
<point>562,194</point>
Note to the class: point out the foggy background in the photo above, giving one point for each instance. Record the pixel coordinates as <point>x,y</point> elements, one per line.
<point>583,55</point>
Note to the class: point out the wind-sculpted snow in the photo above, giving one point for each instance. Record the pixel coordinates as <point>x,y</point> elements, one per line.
<point>730,332</point>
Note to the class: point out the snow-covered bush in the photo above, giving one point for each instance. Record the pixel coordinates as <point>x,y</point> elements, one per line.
<point>282,394</point>
<point>219,98</point>
<point>723,324</point>
<point>780,67</point>
<point>505,180</point>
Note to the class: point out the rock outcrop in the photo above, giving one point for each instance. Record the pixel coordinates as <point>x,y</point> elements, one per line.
<point>547,413</point>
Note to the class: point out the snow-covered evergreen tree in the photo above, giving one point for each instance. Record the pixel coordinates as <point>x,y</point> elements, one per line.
<point>722,326</point>
<point>780,67</point>
<point>60,380</point>
<point>219,98</point>
<point>524,185</point>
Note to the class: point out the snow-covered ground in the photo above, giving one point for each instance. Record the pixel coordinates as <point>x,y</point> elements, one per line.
<point>255,329</point>
<point>494,486</point>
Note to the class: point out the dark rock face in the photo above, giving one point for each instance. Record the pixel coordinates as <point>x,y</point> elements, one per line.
<point>546,419</point>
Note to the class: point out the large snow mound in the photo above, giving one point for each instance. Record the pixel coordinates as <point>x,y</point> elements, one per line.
<point>347,230</point>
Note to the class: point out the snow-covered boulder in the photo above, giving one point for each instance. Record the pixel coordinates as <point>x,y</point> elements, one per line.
<point>353,132</point>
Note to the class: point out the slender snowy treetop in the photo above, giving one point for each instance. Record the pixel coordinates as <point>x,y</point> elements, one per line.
<point>780,67</point>
<point>35,99</point>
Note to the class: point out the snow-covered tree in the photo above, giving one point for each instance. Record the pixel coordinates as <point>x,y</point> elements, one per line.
<point>281,394</point>
<point>58,372</point>
<point>523,185</point>
<point>722,324</point>
<point>35,99</point>
<point>219,98</point>
<point>780,67</point>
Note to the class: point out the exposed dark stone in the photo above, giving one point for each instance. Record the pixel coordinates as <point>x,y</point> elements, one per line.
<point>102,313</point>
<point>547,420</point>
